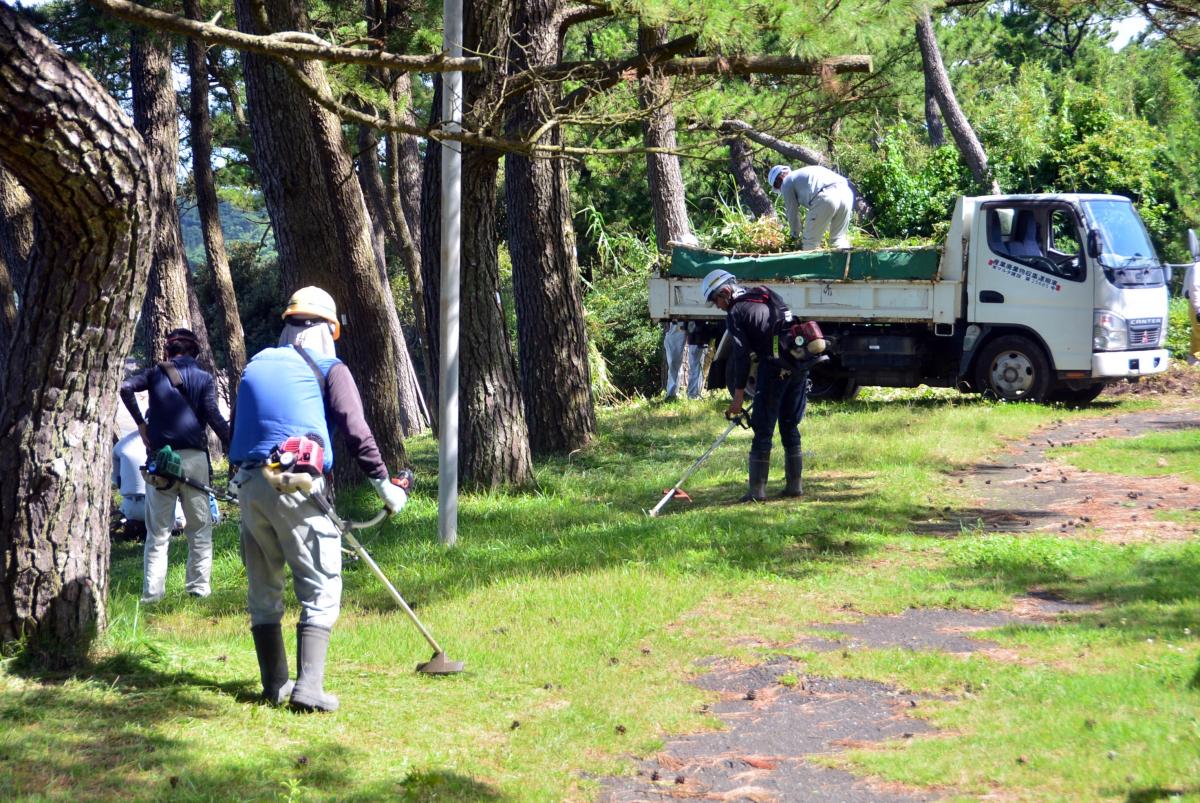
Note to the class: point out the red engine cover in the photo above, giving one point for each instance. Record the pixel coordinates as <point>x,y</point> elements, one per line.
<point>306,455</point>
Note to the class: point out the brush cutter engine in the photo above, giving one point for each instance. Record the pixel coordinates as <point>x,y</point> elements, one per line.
<point>295,463</point>
<point>164,469</point>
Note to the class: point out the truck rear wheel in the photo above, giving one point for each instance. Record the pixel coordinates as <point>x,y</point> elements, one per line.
<point>1013,368</point>
<point>828,386</point>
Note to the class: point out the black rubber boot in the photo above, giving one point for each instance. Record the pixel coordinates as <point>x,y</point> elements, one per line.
<point>760,465</point>
<point>793,464</point>
<point>312,642</point>
<point>272,663</point>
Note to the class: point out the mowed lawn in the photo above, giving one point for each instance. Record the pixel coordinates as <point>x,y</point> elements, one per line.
<point>581,620</point>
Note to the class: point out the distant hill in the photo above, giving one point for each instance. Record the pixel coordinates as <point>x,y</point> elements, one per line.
<point>237,224</point>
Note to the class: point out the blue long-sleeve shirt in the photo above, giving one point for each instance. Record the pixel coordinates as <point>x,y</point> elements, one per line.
<point>177,421</point>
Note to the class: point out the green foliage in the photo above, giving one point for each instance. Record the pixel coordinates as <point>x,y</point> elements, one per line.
<point>912,201</point>
<point>256,283</point>
<point>735,230</point>
<point>1179,330</point>
<point>618,318</point>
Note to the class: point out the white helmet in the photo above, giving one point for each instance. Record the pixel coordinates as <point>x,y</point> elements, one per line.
<point>774,174</point>
<point>714,281</point>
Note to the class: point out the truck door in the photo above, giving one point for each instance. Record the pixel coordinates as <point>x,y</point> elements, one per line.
<point>1027,269</point>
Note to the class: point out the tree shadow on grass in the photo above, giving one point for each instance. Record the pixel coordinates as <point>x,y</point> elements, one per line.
<point>100,739</point>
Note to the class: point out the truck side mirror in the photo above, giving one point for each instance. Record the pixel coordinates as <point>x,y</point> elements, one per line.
<point>1093,243</point>
<point>1194,245</point>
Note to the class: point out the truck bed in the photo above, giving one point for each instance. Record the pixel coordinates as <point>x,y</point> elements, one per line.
<point>902,284</point>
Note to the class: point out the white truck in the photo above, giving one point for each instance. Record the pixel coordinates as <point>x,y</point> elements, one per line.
<point>1037,297</point>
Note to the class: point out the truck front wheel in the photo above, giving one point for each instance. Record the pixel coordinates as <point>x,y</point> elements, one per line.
<point>1013,368</point>
<point>1078,396</point>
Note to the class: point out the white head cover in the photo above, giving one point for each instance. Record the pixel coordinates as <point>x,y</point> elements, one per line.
<point>774,174</point>
<point>317,338</point>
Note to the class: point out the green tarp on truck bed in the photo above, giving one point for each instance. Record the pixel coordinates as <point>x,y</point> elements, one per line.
<point>902,264</point>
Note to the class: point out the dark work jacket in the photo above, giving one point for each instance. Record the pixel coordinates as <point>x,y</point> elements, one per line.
<point>749,326</point>
<point>173,421</point>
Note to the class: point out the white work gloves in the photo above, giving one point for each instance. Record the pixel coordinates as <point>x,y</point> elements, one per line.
<point>393,496</point>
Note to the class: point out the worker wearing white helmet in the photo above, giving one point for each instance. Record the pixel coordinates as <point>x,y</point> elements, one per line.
<point>827,197</point>
<point>780,392</point>
<point>298,389</point>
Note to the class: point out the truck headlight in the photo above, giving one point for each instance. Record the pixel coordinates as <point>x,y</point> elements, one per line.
<point>1110,332</point>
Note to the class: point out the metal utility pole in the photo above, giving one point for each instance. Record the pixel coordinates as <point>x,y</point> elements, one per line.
<point>452,82</point>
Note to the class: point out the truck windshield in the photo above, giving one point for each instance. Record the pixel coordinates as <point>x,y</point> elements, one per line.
<point>1127,254</point>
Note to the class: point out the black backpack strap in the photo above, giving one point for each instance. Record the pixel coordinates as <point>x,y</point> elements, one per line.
<point>316,369</point>
<point>176,379</point>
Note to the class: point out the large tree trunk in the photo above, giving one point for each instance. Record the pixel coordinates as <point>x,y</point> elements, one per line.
<point>403,202</point>
<point>404,156</point>
<point>320,223</point>
<point>208,206</point>
<point>156,118</point>
<point>75,324</point>
<point>551,334</point>
<point>960,128</point>
<point>741,164</point>
<point>412,413</point>
<point>494,441</point>
<point>658,131</point>
<point>933,118</point>
<point>16,242</point>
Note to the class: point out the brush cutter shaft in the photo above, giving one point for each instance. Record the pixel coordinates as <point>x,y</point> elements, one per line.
<point>348,529</point>
<point>669,495</point>
<point>348,534</point>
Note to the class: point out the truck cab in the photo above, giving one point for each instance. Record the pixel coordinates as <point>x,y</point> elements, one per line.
<point>1031,297</point>
<point>1064,294</point>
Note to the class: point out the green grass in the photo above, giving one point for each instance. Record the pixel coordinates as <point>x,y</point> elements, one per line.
<point>1154,455</point>
<point>580,620</point>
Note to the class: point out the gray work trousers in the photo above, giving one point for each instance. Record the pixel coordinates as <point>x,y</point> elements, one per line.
<point>288,529</point>
<point>160,518</point>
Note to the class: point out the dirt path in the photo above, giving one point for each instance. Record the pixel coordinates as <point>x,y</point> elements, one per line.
<point>1028,488</point>
<point>777,719</point>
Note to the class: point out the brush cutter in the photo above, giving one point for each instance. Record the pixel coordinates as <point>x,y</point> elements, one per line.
<point>741,419</point>
<point>165,469</point>
<point>438,664</point>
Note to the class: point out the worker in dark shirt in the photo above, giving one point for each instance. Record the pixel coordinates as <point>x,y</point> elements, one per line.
<point>183,403</point>
<point>298,389</point>
<point>781,391</point>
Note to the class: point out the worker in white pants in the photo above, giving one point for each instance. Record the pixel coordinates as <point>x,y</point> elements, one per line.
<point>160,518</point>
<point>673,345</point>
<point>827,197</point>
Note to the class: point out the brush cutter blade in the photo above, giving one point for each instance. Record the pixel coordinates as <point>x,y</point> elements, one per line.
<point>439,665</point>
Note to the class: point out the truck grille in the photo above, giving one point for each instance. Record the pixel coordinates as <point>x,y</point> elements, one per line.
<point>1144,332</point>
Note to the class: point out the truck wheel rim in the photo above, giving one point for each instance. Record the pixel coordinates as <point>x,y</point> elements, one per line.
<point>1012,374</point>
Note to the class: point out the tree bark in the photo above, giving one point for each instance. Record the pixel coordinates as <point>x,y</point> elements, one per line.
<point>404,157</point>
<point>16,242</point>
<point>741,164</point>
<point>933,118</point>
<point>156,118</point>
<point>319,218</point>
<point>75,325</point>
<point>960,128</point>
<point>788,150</point>
<point>551,333</point>
<point>208,206</point>
<point>412,414</point>
<point>494,440</point>
<point>658,131</point>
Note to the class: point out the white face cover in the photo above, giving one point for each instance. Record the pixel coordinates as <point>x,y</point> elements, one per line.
<point>318,339</point>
